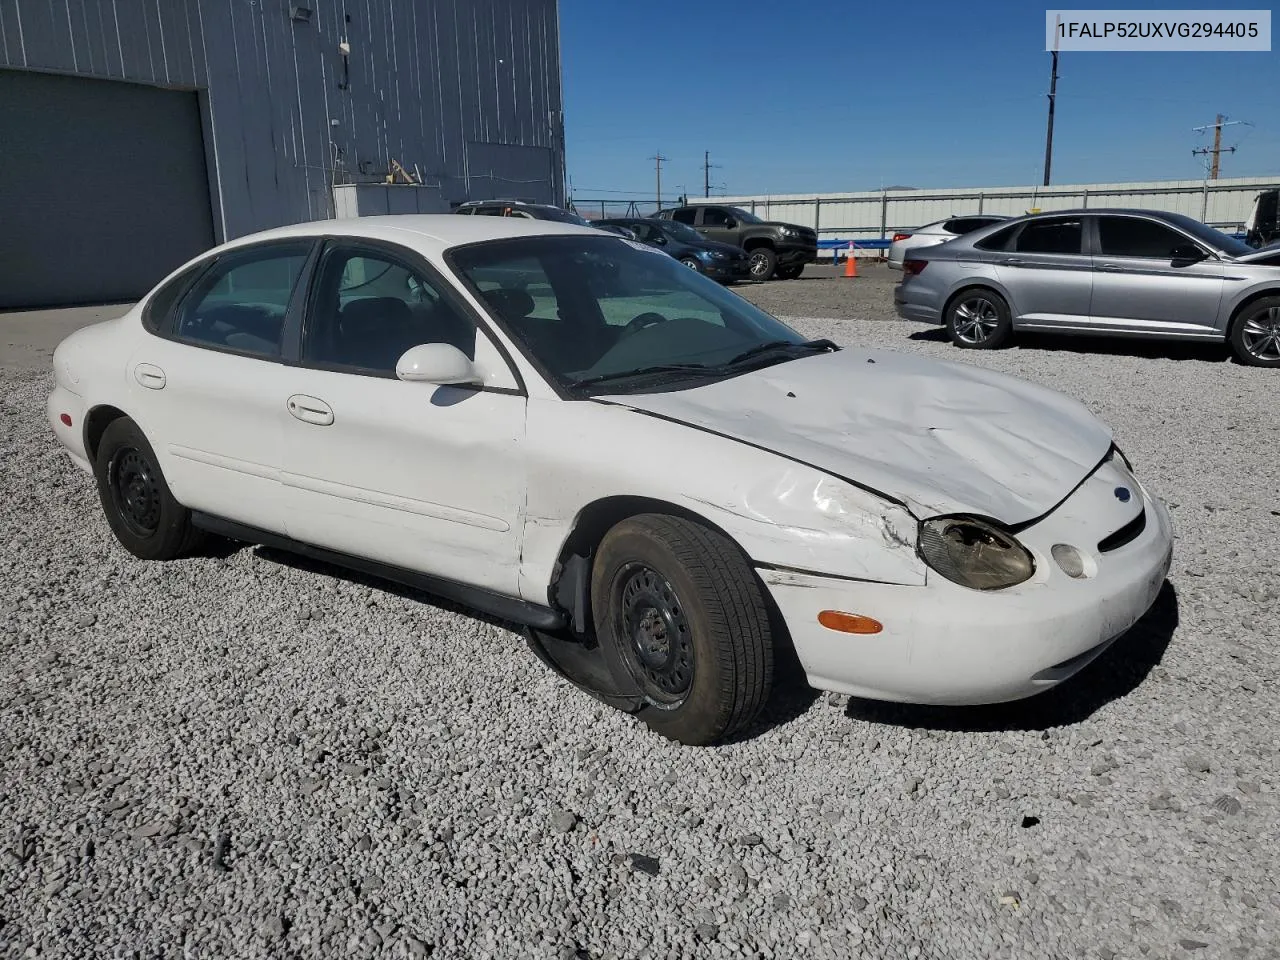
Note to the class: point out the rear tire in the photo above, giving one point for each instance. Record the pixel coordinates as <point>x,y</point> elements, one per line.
<point>679,608</point>
<point>1255,336</point>
<point>762,263</point>
<point>790,273</point>
<point>978,319</point>
<point>693,264</point>
<point>136,500</point>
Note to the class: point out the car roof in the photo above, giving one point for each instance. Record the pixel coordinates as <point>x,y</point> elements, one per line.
<point>437,231</point>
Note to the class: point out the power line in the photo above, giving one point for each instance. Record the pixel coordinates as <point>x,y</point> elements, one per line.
<point>1217,149</point>
<point>658,160</point>
<point>707,167</point>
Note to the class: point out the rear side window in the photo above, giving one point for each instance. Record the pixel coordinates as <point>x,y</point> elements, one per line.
<point>241,302</point>
<point>1051,236</point>
<point>963,225</point>
<point>688,215</point>
<point>998,240</point>
<point>1135,237</point>
<point>155,315</point>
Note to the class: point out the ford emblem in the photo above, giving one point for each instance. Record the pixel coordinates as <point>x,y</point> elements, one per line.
<point>1123,494</point>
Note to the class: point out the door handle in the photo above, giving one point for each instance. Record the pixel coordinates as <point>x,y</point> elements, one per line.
<point>1109,268</point>
<point>1012,262</point>
<point>310,410</point>
<point>150,376</point>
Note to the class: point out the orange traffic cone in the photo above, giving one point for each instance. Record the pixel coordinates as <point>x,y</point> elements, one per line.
<point>851,263</point>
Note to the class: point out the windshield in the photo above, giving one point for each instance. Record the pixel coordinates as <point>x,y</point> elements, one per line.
<point>610,311</point>
<point>561,216</point>
<point>680,231</point>
<point>745,216</point>
<point>1214,238</point>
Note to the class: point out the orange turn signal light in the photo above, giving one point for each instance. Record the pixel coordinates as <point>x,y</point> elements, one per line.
<point>849,622</point>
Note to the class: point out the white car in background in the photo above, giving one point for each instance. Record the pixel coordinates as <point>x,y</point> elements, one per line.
<point>934,233</point>
<point>665,485</point>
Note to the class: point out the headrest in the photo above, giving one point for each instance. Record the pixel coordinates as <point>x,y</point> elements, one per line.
<point>375,313</point>
<point>512,304</point>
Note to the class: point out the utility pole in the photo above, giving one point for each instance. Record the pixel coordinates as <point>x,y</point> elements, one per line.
<point>658,161</point>
<point>1218,149</point>
<point>1053,96</point>
<point>707,167</point>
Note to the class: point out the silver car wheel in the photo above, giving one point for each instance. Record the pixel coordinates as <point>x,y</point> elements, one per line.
<point>1261,335</point>
<point>976,320</point>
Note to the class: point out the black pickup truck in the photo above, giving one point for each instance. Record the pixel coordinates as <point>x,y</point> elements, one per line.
<point>775,249</point>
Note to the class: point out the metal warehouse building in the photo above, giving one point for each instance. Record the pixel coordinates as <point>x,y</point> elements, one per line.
<point>134,135</point>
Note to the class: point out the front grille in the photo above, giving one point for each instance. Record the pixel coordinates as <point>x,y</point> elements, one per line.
<point>1126,534</point>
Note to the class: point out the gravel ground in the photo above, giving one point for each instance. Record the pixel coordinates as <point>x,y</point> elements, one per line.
<point>825,292</point>
<point>242,755</point>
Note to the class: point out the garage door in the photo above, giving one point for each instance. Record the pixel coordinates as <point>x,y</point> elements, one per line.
<point>103,188</point>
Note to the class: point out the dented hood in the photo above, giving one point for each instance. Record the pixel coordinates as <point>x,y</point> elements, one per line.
<point>938,437</point>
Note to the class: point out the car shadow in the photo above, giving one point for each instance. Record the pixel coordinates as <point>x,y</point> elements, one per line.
<point>1114,675</point>
<point>1116,346</point>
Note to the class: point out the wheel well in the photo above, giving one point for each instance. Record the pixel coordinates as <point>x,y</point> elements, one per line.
<point>1246,303</point>
<point>971,287</point>
<point>755,242</point>
<point>598,518</point>
<point>95,425</point>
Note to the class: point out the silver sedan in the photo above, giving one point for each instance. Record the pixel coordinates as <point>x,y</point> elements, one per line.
<point>1098,272</point>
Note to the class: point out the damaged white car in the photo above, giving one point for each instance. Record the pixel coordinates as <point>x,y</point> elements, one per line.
<point>666,486</point>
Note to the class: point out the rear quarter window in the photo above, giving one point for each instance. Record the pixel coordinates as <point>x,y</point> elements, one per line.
<point>156,314</point>
<point>998,240</point>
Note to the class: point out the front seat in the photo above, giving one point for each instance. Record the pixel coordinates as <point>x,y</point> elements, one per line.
<point>375,331</point>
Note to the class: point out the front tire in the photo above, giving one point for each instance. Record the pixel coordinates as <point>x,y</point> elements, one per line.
<point>762,262</point>
<point>677,605</point>
<point>1255,336</point>
<point>136,500</point>
<point>693,264</point>
<point>979,319</point>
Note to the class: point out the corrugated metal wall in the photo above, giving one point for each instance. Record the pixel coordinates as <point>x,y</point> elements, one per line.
<point>426,82</point>
<point>1222,203</point>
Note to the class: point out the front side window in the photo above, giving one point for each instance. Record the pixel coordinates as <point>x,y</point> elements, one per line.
<point>1051,236</point>
<point>1135,237</point>
<point>606,314</point>
<point>715,217</point>
<point>241,302</point>
<point>368,308</point>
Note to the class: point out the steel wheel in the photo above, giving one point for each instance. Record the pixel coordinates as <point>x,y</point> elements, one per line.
<point>762,263</point>
<point>658,643</point>
<point>1261,335</point>
<point>976,320</point>
<point>135,491</point>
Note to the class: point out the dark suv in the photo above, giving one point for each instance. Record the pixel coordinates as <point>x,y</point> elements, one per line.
<point>780,249</point>
<point>719,261</point>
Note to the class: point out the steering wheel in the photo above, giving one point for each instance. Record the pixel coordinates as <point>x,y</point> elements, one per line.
<point>642,321</point>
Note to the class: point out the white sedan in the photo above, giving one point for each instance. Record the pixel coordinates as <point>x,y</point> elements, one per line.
<point>666,486</point>
<point>934,233</point>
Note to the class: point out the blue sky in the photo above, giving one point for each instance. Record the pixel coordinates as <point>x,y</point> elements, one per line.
<point>792,96</point>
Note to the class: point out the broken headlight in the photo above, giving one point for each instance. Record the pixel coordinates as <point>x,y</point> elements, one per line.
<point>974,554</point>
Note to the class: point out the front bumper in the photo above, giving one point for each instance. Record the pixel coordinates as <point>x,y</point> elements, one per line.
<point>792,253</point>
<point>945,644</point>
<point>727,269</point>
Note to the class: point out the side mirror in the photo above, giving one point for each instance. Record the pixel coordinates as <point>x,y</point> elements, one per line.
<point>658,239</point>
<point>731,223</point>
<point>1187,253</point>
<point>439,363</point>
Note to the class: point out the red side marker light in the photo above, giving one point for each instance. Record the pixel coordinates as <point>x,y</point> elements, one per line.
<point>849,622</point>
<point>66,419</point>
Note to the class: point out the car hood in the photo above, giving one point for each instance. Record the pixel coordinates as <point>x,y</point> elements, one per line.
<point>1267,253</point>
<point>937,437</point>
